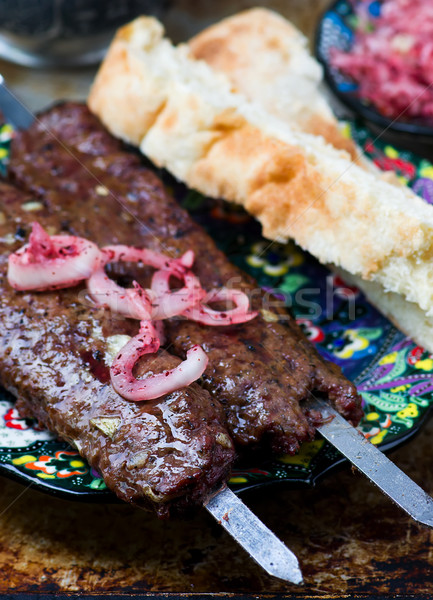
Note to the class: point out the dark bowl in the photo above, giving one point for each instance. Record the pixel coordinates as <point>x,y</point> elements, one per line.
<point>337,29</point>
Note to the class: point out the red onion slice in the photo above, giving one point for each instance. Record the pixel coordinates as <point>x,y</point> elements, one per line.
<point>137,303</point>
<point>160,330</point>
<point>133,303</point>
<point>158,385</point>
<point>177,266</point>
<point>52,262</point>
<point>167,304</point>
<point>207,316</point>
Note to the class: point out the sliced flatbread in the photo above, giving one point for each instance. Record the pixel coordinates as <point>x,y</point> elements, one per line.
<point>188,118</point>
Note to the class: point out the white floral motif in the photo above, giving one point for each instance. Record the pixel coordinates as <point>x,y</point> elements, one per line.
<point>14,432</point>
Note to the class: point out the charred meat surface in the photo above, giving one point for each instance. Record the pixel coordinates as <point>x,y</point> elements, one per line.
<point>260,371</point>
<point>169,454</point>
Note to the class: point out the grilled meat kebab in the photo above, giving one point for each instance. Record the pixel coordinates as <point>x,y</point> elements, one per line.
<point>260,371</point>
<point>169,454</point>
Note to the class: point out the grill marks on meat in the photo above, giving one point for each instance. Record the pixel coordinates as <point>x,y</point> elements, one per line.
<point>167,455</point>
<point>260,371</point>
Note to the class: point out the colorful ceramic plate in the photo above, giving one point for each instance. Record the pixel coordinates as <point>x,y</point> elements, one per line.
<point>337,29</point>
<point>393,375</point>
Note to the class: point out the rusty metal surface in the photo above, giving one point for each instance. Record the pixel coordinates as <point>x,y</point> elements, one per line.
<point>351,541</point>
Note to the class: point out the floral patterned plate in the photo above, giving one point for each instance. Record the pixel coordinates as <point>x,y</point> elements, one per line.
<point>393,375</point>
<point>337,29</point>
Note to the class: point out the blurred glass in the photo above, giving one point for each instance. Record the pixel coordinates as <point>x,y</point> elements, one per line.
<point>65,32</point>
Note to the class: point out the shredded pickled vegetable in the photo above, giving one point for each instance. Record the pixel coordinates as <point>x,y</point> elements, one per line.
<point>391,59</point>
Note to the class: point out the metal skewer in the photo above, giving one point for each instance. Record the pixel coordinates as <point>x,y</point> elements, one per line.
<point>261,544</point>
<point>13,109</point>
<point>374,464</point>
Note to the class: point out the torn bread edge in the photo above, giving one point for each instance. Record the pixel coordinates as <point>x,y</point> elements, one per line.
<point>267,59</point>
<point>188,118</point>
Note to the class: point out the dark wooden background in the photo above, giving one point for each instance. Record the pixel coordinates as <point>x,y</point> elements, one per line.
<point>351,542</point>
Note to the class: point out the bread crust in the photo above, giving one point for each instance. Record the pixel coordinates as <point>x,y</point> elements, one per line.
<point>121,84</point>
<point>266,58</point>
<point>298,186</point>
<point>242,47</point>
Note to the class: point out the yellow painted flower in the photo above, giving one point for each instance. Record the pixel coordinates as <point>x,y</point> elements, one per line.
<point>357,343</point>
<point>400,388</point>
<point>389,359</point>
<point>22,460</point>
<point>378,439</point>
<point>283,258</point>
<point>424,365</point>
<point>411,411</point>
<point>427,171</point>
<point>390,152</point>
<point>305,455</point>
<point>238,480</point>
<point>373,416</point>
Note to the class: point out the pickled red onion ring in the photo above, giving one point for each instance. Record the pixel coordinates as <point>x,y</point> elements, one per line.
<point>52,262</point>
<point>158,385</point>
<point>133,303</point>
<point>177,266</point>
<point>167,304</point>
<point>160,330</point>
<point>207,316</point>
